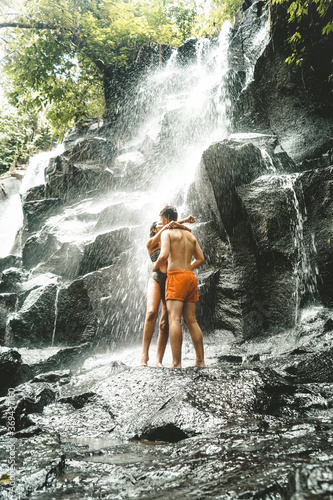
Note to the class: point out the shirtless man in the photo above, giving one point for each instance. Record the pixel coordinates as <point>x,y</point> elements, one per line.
<point>177,248</point>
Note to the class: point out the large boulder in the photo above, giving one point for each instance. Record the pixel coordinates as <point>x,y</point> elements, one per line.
<point>33,323</point>
<point>228,166</point>
<point>76,174</point>
<point>36,213</point>
<point>39,248</point>
<point>106,305</point>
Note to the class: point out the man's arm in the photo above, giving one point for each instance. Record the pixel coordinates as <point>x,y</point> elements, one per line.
<point>165,251</point>
<point>190,219</point>
<point>198,256</point>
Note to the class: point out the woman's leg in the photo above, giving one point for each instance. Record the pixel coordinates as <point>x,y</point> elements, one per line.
<point>153,302</point>
<point>163,335</point>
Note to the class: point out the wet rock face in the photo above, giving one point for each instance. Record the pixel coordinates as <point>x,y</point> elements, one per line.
<point>280,98</point>
<point>277,256</point>
<point>317,186</point>
<point>7,306</point>
<point>76,173</point>
<point>227,167</point>
<point>34,324</point>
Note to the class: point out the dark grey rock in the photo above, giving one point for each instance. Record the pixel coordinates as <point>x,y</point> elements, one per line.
<point>60,376</point>
<point>33,324</point>
<point>39,248</point>
<point>10,261</point>
<point>11,280</point>
<point>23,401</point>
<point>36,213</point>
<point>88,310</point>
<point>35,475</point>
<point>104,250</point>
<point>317,188</point>
<point>314,368</point>
<point>8,303</point>
<point>187,51</point>
<point>34,193</point>
<point>76,174</point>
<point>10,362</point>
<point>79,400</point>
<point>229,166</point>
<point>278,100</point>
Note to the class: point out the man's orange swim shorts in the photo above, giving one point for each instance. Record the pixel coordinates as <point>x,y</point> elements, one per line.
<point>181,285</point>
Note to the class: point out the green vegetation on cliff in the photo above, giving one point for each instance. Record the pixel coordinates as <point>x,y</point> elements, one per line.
<point>306,29</point>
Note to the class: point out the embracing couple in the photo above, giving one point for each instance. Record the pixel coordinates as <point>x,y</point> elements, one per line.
<point>171,248</point>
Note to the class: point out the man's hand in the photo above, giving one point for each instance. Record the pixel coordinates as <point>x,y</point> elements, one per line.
<point>190,219</point>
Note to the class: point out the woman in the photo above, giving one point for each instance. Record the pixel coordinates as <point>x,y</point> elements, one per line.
<point>156,293</point>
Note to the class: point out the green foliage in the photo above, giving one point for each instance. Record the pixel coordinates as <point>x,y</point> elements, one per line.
<point>21,136</point>
<point>220,11</point>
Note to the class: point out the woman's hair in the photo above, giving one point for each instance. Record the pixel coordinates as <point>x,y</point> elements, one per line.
<point>152,227</point>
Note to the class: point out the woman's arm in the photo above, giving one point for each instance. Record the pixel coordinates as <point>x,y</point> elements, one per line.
<point>165,251</point>
<point>154,240</point>
<point>178,225</point>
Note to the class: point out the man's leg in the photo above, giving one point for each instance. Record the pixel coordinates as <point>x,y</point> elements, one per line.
<point>175,308</point>
<point>153,302</point>
<point>163,335</point>
<point>195,332</point>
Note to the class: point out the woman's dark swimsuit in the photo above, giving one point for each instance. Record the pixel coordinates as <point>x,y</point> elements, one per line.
<point>158,276</point>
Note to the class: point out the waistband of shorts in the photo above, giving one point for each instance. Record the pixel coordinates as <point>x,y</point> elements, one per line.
<point>180,271</point>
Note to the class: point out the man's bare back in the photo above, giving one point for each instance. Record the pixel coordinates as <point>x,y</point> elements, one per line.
<point>181,246</point>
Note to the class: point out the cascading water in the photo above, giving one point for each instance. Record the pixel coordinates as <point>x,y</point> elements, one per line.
<point>11,216</point>
<point>305,273</point>
<point>34,175</point>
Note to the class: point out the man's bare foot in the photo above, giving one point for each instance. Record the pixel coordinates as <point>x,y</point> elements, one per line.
<point>159,364</point>
<point>200,365</point>
<point>175,366</point>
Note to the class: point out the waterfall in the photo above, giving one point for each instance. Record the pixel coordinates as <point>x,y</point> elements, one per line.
<point>11,215</point>
<point>34,174</point>
<point>11,218</point>
<point>55,317</point>
<point>305,273</point>
<point>173,116</point>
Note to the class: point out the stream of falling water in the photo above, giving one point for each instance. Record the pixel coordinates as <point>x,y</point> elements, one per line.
<point>305,274</point>
<point>11,215</point>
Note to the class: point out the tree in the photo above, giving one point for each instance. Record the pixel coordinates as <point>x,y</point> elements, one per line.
<point>62,55</point>
<point>21,136</point>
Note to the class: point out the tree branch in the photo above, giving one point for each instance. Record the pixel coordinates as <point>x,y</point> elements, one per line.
<point>39,26</point>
